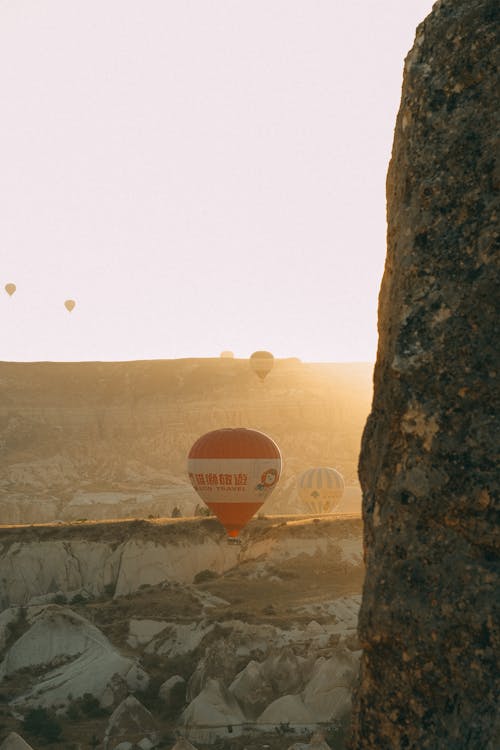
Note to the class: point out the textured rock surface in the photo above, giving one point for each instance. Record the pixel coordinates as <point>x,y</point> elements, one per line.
<point>14,742</point>
<point>91,559</point>
<point>67,655</point>
<point>428,464</point>
<point>130,722</point>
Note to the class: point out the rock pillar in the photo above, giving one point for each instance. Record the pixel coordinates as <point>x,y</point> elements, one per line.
<point>429,460</point>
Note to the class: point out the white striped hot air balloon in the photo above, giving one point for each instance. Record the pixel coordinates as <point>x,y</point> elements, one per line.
<point>321,489</point>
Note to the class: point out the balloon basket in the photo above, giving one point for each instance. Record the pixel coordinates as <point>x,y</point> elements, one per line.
<point>233,540</point>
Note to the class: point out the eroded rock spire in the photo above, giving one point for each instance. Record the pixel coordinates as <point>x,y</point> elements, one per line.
<point>429,460</point>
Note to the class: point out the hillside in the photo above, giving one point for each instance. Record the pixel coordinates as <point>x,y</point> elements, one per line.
<point>229,645</point>
<point>103,440</point>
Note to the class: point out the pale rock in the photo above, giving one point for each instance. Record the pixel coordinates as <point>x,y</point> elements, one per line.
<point>56,597</point>
<point>16,508</point>
<point>13,741</point>
<point>130,722</point>
<point>328,693</point>
<point>314,628</point>
<point>144,562</point>
<point>317,742</point>
<point>142,632</point>
<point>207,600</point>
<point>179,639</point>
<point>213,713</point>
<point>286,672</point>
<point>289,709</point>
<point>115,691</point>
<point>342,614</point>
<point>225,657</point>
<point>137,679</point>
<point>348,550</point>
<point>183,744</point>
<point>38,568</point>
<point>77,657</point>
<point>258,685</point>
<point>251,690</point>
<point>283,548</point>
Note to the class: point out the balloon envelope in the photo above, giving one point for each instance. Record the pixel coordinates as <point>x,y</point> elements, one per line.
<point>321,489</point>
<point>262,363</point>
<point>10,289</point>
<point>234,471</point>
<point>69,304</point>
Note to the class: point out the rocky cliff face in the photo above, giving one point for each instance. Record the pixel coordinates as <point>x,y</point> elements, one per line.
<point>216,640</point>
<point>428,463</point>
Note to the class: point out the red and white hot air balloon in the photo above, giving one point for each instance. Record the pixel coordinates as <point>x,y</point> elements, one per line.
<point>234,470</point>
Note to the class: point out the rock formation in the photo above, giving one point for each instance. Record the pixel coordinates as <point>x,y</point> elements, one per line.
<point>14,742</point>
<point>428,465</point>
<point>269,641</point>
<point>131,722</point>
<point>68,656</point>
<point>88,560</point>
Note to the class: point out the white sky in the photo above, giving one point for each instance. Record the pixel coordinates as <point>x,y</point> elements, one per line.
<point>199,175</point>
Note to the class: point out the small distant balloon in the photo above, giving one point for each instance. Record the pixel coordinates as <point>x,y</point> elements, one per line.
<point>10,289</point>
<point>227,355</point>
<point>262,363</point>
<point>69,304</point>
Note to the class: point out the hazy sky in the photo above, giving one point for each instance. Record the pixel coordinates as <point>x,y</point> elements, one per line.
<point>199,175</point>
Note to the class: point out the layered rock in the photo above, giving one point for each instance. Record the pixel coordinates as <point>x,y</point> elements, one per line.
<point>214,713</point>
<point>14,742</point>
<point>428,465</point>
<point>72,561</point>
<point>69,657</point>
<point>131,723</point>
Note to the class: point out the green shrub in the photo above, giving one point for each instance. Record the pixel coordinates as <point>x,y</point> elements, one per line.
<point>205,575</point>
<point>42,724</point>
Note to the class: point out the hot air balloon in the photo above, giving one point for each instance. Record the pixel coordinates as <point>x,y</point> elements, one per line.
<point>262,363</point>
<point>227,355</point>
<point>10,289</point>
<point>321,489</point>
<point>69,304</point>
<point>234,471</point>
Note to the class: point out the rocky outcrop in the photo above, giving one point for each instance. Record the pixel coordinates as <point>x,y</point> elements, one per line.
<point>274,633</point>
<point>71,561</point>
<point>14,742</point>
<point>131,722</point>
<point>214,713</point>
<point>69,657</point>
<point>428,466</point>
<point>183,744</point>
<point>317,742</point>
